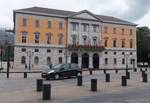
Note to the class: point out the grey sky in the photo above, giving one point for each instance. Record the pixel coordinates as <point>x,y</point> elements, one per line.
<point>137,11</point>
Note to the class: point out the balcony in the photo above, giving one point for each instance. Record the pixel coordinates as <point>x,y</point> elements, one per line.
<point>86,47</point>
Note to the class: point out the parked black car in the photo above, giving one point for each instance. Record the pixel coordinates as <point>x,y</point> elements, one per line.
<point>61,71</point>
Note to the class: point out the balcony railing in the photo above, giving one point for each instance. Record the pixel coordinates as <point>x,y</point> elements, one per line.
<point>86,47</point>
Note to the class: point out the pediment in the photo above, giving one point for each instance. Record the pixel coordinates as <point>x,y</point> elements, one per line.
<point>85,15</point>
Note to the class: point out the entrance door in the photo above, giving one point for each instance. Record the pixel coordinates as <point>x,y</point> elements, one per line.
<point>74,58</point>
<point>85,60</point>
<point>95,61</point>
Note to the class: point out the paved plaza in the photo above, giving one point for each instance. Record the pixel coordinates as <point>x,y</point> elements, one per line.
<point>16,89</point>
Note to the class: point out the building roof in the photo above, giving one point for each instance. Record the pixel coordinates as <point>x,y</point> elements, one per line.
<point>63,13</point>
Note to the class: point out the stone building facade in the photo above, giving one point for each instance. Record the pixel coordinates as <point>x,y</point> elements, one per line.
<point>44,36</point>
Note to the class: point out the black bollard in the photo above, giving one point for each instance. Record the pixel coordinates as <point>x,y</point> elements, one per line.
<point>90,71</point>
<point>145,77</point>
<point>25,74</point>
<point>124,81</point>
<point>79,80</point>
<point>128,75</point>
<point>93,85</point>
<point>39,84</point>
<point>107,77</point>
<point>116,71</point>
<point>46,91</point>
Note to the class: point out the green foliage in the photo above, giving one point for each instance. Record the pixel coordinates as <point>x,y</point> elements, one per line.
<point>143,44</point>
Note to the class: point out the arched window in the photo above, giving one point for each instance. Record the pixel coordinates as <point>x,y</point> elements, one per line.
<point>23,60</point>
<point>60,39</point>
<point>114,43</point>
<point>74,39</point>
<point>131,43</point>
<point>48,35</point>
<point>60,60</point>
<point>106,42</point>
<point>24,36</point>
<point>123,43</point>
<point>95,40</point>
<point>37,37</point>
<point>36,60</point>
<point>48,60</point>
<point>84,39</point>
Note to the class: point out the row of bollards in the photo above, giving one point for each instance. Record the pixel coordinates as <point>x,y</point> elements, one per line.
<point>45,88</point>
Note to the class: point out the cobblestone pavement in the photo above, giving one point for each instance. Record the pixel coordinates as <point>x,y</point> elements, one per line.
<point>16,89</point>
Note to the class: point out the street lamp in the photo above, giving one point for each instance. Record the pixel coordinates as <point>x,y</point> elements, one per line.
<point>126,57</point>
<point>30,53</point>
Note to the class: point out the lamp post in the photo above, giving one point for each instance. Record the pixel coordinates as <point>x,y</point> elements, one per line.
<point>29,53</point>
<point>126,57</point>
<point>1,57</point>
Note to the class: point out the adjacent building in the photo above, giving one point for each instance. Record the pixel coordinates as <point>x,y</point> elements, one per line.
<point>44,36</point>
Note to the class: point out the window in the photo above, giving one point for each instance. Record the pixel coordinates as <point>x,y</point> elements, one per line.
<point>24,36</point>
<point>85,27</point>
<point>131,32</point>
<point>114,30</point>
<point>95,40</point>
<point>123,61</point>
<point>122,53</point>
<point>49,24</point>
<point>131,61</point>
<point>123,44</point>
<point>115,61</point>
<point>106,60</point>
<point>23,49</point>
<point>105,29</point>
<point>114,43</point>
<point>48,50</point>
<point>95,28</point>
<point>106,41</point>
<point>122,31</point>
<point>36,60</point>
<point>60,60</point>
<point>131,43</point>
<point>36,50</point>
<point>60,25</point>
<point>115,53</point>
<point>60,39</point>
<point>84,39</point>
<point>23,60</point>
<point>48,35</point>
<point>48,60</point>
<point>130,53</point>
<point>60,51</point>
<point>37,23</point>
<point>74,39</point>
<point>37,36</point>
<point>24,21</point>
<point>74,26</point>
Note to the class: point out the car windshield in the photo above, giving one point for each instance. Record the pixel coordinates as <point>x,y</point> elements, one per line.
<point>57,67</point>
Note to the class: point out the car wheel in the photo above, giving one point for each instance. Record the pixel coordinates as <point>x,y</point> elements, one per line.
<point>56,76</point>
<point>78,74</point>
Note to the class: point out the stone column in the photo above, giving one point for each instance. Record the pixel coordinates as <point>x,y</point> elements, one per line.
<point>90,61</point>
<point>79,60</point>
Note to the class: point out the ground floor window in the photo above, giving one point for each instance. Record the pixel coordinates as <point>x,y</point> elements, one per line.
<point>48,60</point>
<point>106,61</point>
<point>74,58</point>
<point>60,60</point>
<point>85,60</point>
<point>36,60</point>
<point>23,60</point>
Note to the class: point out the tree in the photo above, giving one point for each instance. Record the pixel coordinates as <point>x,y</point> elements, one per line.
<point>143,41</point>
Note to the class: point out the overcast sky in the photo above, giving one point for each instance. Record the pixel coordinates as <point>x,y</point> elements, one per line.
<point>136,11</point>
